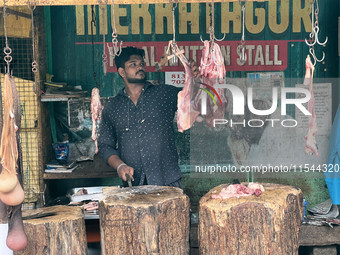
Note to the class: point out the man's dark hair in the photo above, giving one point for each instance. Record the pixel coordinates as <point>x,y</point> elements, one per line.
<point>127,52</point>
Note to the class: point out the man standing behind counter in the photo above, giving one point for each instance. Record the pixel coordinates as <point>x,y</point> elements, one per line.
<point>137,131</point>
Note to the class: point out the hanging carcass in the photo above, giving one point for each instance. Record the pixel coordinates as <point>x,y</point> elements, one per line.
<point>311,146</point>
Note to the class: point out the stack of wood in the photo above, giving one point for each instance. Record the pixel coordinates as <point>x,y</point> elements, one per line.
<point>266,224</point>
<point>144,220</point>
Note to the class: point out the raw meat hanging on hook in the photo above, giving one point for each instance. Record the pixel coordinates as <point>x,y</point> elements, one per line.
<point>8,150</point>
<point>96,111</point>
<point>186,115</point>
<point>311,146</point>
<point>213,71</point>
<point>11,192</point>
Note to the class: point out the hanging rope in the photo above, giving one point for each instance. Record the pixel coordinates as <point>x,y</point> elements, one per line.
<point>115,47</point>
<point>104,31</point>
<point>243,56</point>
<point>34,63</point>
<point>314,35</point>
<point>7,49</point>
<point>93,23</point>
<point>174,47</point>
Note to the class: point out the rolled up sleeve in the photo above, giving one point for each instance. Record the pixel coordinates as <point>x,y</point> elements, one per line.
<point>107,139</point>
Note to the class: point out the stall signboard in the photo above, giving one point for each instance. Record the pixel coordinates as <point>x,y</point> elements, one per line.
<point>150,26</point>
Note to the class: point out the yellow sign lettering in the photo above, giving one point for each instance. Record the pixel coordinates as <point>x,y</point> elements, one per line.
<point>227,16</point>
<point>185,16</point>
<point>272,16</point>
<point>140,11</point>
<point>301,14</point>
<point>80,20</point>
<point>163,11</point>
<point>260,15</point>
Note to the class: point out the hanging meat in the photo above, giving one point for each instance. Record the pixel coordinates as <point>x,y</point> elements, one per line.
<point>11,192</point>
<point>311,146</point>
<point>212,71</point>
<point>16,237</point>
<point>186,115</point>
<point>8,150</point>
<point>96,110</point>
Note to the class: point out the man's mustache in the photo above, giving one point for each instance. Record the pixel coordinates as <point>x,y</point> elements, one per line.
<point>140,71</point>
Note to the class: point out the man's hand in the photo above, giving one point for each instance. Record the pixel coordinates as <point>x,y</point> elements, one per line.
<point>125,170</point>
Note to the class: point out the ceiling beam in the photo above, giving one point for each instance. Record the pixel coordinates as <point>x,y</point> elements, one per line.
<point>94,2</point>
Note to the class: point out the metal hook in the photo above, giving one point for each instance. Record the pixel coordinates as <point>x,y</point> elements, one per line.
<point>175,49</point>
<point>312,52</point>
<point>316,33</point>
<point>214,59</point>
<point>202,62</point>
<point>243,55</point>
<point>316,39</point>
<point>201,39</point>
<point>219,39</point>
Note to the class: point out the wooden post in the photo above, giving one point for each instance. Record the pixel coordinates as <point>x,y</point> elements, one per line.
<point>144,220</point>
<point>267,224</point>
<point>60,234</point>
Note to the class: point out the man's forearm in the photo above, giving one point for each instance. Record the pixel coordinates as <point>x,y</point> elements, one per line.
<point>114,161</point>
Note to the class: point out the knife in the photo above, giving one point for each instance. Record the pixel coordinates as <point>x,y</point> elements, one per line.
<point>128,179</point>
<point>38,215</point>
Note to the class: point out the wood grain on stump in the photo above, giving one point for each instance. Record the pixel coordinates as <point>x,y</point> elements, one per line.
<point>144,220</point>
<point>59,234</point>
<point>267,224</point>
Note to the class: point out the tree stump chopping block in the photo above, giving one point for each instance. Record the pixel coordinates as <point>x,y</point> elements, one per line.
<point>267,224</point>
<point>144,220</point>
<point>61,233</point>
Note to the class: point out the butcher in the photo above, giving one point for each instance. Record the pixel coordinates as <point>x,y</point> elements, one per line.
<point>137,130</point>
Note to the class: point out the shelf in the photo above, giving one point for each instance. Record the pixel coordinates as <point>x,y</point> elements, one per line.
<point>58,97</point>
<point>87,169</point>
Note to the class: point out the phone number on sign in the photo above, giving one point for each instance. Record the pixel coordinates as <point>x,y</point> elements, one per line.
<point>330,168</point>
<point>177,79</point>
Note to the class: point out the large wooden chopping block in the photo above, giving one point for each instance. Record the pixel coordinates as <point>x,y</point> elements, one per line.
<point>59,234</point>
<point>144,220</point>
<point>268,224</point>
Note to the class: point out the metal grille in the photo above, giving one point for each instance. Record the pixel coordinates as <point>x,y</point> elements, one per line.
<point>20,67</point>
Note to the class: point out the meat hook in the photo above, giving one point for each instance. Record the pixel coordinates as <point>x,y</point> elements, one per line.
<point>312,52</point>
<point>315,27</point>
<point>316,39</point>
<point>174,59</point>
<point>242,54</point>
<point>114,51</point>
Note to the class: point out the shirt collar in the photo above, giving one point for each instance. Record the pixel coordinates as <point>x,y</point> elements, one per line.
<point>147,85</point>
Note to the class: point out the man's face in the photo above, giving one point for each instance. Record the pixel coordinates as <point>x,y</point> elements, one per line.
<point>135,70</point>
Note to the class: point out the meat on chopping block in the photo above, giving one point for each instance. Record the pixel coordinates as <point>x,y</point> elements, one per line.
<point>96,110</point>
<point>239,190</point>
<point>267,224</point>
<point>311,146</point>
<point>61,233</point>
<point>144,220</point>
